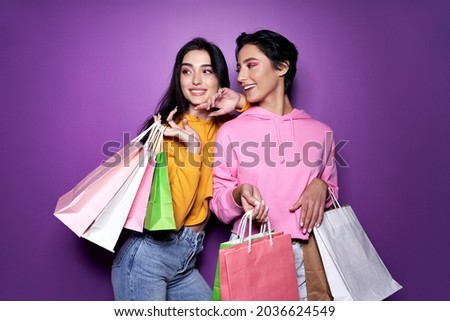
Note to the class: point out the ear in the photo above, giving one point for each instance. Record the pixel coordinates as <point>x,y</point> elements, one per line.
<point>283,68</point>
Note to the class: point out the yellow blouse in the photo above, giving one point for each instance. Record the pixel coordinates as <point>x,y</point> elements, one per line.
<point>190,174</point>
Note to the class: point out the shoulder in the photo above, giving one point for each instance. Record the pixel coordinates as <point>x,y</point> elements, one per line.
<point>319,125</point>
<point>311,123</point>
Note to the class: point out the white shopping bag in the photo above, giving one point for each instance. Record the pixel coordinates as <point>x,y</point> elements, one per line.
<point>79,207</point>
<point>355,272</point>
<point>106,229</point>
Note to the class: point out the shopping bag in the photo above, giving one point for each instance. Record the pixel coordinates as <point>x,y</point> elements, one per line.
<point>79,207</point>
<point>240,238</point>
<point>259,270</point>
<point>355,271</point>
<point>136,216</point>
<point>216,283</point>
<point>317,286</point>
<point>106,228</point>
<point>159,215</point>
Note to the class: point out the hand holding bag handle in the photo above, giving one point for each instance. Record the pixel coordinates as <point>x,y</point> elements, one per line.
<point>79,207</point>
<point>247,268</point>
<point>106,228</point>
<point>136,215</point>
<point>246,219</point>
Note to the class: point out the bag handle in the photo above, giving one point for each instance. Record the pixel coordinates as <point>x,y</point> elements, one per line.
<point>247,220</point>
<point>334,199</point>
<point>143,133</point>
<point>154,142</point>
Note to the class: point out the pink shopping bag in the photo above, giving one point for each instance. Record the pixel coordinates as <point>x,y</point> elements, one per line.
<point>135,219</point>
<point>107,227</point>
<point>136,216</point>
<point>79,207</point>
<point>266,273</point>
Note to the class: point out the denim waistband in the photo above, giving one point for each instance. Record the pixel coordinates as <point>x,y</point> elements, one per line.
<point>185,233</point>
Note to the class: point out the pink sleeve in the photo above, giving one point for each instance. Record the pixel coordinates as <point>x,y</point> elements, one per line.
<point>329,174</point>
<point>224,181</point>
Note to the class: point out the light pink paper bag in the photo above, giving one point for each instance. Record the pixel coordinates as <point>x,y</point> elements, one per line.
<point>79,207</point>
<point>136,216</point>
<point>106,228</point>
<point>135,219</point>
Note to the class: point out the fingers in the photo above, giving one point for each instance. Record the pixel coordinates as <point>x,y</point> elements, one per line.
<point>311,215</point>
<point>172,123</point>
<point>260,209</point>
<point>205,106</point>
<point>188,129</point>
<point>157,118</point>
<point>312,204</point>
<point>296,205</point>
<point>251,199</point>
<point>209,104</point>
<point>217,111</point>
<point>171,114</point>
<point>305,218</point>
<point>321,213</point>
<point>260,212</point>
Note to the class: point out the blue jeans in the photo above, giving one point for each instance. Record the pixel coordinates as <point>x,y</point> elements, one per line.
<point>160,266</point>
<point>300,267</point>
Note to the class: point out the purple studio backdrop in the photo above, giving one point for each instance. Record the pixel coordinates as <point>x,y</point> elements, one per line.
<point>76,75</point>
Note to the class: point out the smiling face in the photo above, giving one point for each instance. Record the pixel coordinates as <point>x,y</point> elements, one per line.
<point>259,80</point>
<point>197,78</point>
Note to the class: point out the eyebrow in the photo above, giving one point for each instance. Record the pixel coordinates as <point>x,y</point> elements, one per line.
<point>191,65</point>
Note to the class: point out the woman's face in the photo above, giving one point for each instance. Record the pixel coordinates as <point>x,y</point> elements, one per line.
<point>258,79</point>
<point>197,79</point>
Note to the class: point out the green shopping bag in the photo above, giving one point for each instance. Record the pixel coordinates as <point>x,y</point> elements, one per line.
<point>159,215</point>
<point>216,285</point>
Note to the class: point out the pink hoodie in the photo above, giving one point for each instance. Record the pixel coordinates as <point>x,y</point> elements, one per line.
<point>278,154</point>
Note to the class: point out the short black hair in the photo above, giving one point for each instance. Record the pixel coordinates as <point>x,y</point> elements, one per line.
<point>276,47</point>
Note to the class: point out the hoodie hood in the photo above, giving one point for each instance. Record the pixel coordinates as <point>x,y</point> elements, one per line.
<point>283,126</point>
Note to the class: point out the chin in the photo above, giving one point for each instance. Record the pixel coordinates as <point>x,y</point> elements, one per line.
<point>197,101</point>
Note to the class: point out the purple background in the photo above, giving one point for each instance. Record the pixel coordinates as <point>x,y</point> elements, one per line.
<point>77,74</point>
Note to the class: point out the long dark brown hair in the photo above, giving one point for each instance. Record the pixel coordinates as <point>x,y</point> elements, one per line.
<point>174,96</point>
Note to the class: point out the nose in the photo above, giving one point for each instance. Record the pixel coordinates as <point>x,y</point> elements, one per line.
<point>241,76</point>
<point>197,79</point>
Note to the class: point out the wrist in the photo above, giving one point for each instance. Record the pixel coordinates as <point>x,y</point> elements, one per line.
<point>242,104</point>
<point>236,193</point>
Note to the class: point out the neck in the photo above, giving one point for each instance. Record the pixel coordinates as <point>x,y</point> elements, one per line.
<point>201,114</point>
<point>278,105</point>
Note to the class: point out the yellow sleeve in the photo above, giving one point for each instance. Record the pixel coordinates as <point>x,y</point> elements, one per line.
<point>184,175</point>
<point>245,106</point>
